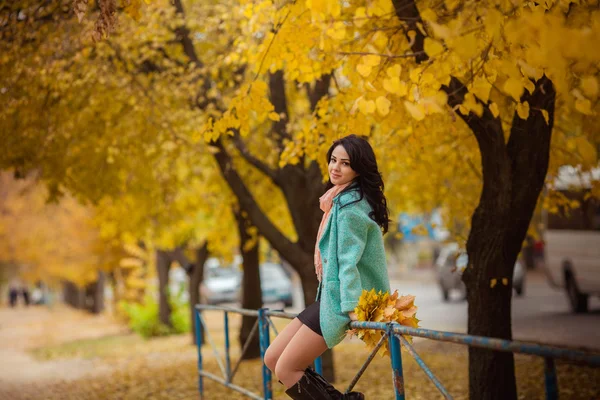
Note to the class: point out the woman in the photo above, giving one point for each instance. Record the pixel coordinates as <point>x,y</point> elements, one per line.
<point>349,257</point>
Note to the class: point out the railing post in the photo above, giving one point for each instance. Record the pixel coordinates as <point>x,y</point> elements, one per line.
<point>550,379</point>
<point>227,360</point>
<point>396,360</point>
<point>199,344</point>
<point>319,365</point>
<point>263,331</point>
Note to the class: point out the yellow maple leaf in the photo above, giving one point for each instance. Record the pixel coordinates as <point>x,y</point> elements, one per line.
<point>364,70</point>
<point>415,110</point>
<point>586,150</point>
<point>584,106</point>
<point>394,71</point>
<point>337,31</point>
<point>371,60</point>
<point>433,47</point>
<point>395,86</point>
<point>366,106</point>
<point>383,106</point>
<point>523,110</point>
<point>481,88</point>
<point>494,110</point>
<point>360,17</point>
<point>589,86</point>
<point>546,116</point>
<point>514,88</point>
<point>405,302</point>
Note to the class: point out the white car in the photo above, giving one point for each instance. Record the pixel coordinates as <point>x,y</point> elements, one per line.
<point>223,285</point>
<point>572,238</point>
<point>451,263</point>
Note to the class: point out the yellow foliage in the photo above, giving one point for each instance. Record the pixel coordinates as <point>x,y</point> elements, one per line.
<point>383,307</point>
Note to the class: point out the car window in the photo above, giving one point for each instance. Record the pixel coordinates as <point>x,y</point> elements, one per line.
<point>462,261</point>
<point>271,272</point>
<point>224,272</point>
<point>450,260</point>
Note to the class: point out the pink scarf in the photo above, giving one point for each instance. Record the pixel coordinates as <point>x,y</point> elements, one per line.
<point>325,202</point>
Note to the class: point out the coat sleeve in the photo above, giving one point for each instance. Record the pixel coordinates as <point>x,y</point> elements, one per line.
<point>352,232</point>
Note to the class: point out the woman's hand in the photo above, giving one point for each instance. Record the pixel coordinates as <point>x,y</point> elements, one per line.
<point>353,316</point>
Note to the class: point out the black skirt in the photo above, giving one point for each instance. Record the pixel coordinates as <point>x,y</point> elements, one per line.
<point>310,317</point>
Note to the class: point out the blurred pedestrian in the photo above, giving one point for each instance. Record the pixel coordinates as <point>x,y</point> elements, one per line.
<point>13,295</point>
<point>25,293</point>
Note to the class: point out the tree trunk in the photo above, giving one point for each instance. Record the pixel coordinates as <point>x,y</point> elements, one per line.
<point>196,274</point>
<point>251,289</point>
<point>98,304</point>
<point>163,262</point>
<point>513,177</point>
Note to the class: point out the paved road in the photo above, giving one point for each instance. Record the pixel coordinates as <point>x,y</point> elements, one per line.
<point>541,315</point>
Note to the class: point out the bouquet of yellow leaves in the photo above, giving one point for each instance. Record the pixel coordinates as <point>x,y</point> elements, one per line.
<point>383,307</point>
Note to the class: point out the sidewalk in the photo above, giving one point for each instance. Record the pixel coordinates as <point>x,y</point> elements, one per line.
<point>23,329</point>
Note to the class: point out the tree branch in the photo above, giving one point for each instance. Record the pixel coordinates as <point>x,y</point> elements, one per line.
<point>320,90</point>
<point>487,129</point>
<point>278,97</point>
<point>255,162</point>
<point>406,10</point>
<point>282,244</point>
<point>528,150</point>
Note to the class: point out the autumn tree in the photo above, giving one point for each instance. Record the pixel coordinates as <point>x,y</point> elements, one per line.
<point>55,243</point>
<point>448,87</point>
<point>466,103</point>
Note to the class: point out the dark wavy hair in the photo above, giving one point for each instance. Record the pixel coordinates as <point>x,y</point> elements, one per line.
<point>369,181</point>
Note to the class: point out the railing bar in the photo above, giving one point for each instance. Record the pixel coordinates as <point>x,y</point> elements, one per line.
<point>396,363</point>
<point>227,347</point>
<point>214,348</point>
<point>424,367</point>
<point>229,385</point>
<point>487,343</point>
<point>263,334</point>
<point>198,329</point>
<point>367,362</point>
<point>243,311</point>
<point>281,314</point>
<point>550,379</point>
<point>272,326</point>
<point>393,332</point>
<point>245,348</point>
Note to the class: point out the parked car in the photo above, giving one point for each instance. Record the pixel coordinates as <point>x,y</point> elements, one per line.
<point>275,284</point>
<point>223,284</point>
<point>572,239</point>
<point>451,263</point>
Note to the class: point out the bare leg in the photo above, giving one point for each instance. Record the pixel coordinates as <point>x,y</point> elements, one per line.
<point>300,352</point>
<point>280,342</point>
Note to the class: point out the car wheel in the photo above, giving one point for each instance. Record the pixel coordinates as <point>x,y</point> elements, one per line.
<point>578,300</point>
<point>445,294</point>
<point>519,290</point>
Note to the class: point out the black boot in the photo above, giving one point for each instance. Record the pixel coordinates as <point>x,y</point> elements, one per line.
<point>307,388</point>
<point>331,390</point>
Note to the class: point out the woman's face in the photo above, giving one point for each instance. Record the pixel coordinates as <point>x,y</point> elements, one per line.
<point>340,171</point>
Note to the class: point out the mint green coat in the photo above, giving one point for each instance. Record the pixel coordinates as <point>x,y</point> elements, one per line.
<point>353,259</point>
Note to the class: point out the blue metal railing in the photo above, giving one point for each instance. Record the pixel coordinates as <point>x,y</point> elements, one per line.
<point>393,333</point>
